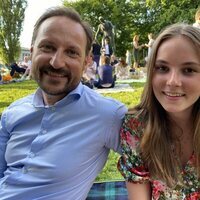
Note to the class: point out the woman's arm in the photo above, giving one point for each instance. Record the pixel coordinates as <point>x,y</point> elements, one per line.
<point>138,191</point>
<point>137,46</point>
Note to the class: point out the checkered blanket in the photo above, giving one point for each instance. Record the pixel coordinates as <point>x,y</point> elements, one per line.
<point>115,190</point>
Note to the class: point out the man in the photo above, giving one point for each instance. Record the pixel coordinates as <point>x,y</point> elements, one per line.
<point>106,28</point>
<point>54,143</point>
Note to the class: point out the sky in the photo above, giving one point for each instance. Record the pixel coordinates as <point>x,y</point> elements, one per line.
<point>33,11</point>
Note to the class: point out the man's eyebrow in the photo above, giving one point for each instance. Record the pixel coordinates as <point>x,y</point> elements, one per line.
<point>45,41</point>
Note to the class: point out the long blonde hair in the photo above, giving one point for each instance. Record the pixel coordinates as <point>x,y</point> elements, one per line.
<point>157,142</point>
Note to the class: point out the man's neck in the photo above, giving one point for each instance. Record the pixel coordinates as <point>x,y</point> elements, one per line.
<point>50,100</point>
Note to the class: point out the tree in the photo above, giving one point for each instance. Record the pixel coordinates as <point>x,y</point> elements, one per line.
<point>116,11</point>
<point>132,17</point>
<point>173,11</point>
<point>11,19</point>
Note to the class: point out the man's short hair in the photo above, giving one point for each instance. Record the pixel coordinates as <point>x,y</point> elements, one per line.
<point>68,13</point>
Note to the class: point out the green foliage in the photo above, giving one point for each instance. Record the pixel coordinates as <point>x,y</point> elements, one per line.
<point>174,11</point>
<point>11,19</point>
<point>135,17</point>
<point>14,91</point>
<point>119,12</point>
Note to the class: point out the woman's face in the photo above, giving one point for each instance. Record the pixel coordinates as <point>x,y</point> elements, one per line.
<point>176,75</point>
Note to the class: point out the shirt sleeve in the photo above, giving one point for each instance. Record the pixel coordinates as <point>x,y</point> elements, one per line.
<point>130,164</point>
<point>4,137</point>
<point>112,136</point>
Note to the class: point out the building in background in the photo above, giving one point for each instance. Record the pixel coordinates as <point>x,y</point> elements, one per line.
<point>24,52</point>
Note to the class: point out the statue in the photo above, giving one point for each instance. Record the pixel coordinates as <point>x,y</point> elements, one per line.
<point>106,28</point>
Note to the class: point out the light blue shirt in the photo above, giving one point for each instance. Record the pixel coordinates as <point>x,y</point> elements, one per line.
<point>56,152</point>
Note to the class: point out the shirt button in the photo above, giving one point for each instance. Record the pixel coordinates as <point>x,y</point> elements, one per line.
<point>44,131</point>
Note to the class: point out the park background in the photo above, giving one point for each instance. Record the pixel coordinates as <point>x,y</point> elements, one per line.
<point>130,17</point>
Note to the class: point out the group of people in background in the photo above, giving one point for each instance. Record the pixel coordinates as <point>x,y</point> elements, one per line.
<point>99,71</point>
<point>103,68</point>
<point>55,142</point>
<point>17,70</point>
<point>23,68</point>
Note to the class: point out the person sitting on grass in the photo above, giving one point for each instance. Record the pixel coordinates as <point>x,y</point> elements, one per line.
<point>105,72</point>
<point>16,68</point>
<point>122,69</point>
<point>89,75</point>
<point>27,63</point>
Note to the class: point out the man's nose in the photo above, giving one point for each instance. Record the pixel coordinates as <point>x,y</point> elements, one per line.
<point>174,79</point>
<point>58,60</point>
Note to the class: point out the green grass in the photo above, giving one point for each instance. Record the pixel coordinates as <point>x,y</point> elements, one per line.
<point>14,91</point>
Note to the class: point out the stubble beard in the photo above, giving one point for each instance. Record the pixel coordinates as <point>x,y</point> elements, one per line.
<point>54,87</point>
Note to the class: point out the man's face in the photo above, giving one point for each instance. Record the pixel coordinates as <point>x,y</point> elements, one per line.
<point>58,56</point>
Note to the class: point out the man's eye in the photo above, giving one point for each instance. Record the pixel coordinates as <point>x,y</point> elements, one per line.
<point>161,68</point>
<point>72,53</point>
<point>47,48</point>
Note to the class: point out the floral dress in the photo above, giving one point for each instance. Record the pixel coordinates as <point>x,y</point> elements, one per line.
<point>132,167</point>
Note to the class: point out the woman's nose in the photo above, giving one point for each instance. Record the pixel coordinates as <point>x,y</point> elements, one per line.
<point>174,79</point>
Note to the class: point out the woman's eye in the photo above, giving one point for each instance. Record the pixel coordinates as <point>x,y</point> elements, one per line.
<point>188,71</point>
<point>161,68</point>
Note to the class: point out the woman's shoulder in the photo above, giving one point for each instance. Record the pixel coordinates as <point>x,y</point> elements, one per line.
<point>136,113</point>
<point>134,122</point>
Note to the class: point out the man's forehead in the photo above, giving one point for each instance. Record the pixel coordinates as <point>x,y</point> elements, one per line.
<point>60,24</point>
<point>58,20</point>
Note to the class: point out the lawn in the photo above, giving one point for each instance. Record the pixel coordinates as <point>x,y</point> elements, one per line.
<point>14,91</point>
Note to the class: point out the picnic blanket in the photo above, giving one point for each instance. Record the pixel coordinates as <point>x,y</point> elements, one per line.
<point>113,190</point>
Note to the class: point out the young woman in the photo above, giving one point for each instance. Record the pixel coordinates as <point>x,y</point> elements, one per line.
<point>160,137</point>
<point>136,48</point>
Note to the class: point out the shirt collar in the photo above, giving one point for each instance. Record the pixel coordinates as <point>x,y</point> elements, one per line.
<point>72,96</point>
